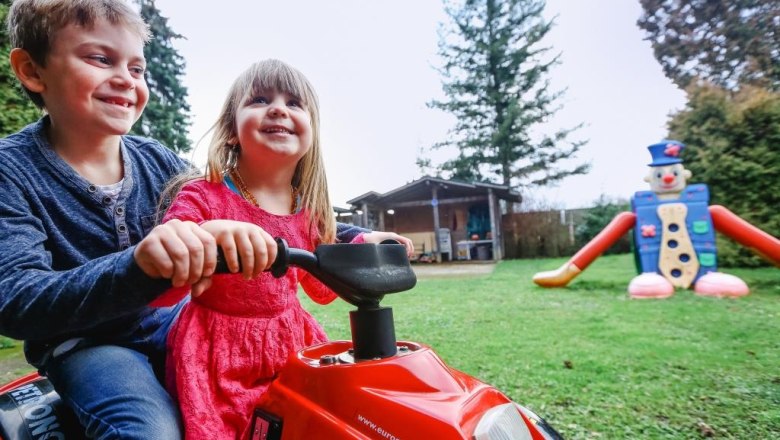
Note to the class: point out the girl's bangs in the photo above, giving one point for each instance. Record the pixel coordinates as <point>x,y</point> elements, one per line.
<point>281,78</point>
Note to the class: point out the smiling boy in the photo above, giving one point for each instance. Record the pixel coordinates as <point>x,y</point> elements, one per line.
<point>80,257</point>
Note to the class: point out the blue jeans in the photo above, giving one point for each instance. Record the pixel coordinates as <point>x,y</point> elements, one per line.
<point>116,389</point>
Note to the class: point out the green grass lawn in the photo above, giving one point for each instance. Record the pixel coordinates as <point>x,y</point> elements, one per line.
<point>596,364</point>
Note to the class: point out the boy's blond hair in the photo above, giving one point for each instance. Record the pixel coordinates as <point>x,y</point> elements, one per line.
<point>309,178</point>
<point>33,24</point>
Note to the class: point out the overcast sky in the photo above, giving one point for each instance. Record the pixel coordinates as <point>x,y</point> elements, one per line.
<point>372,64</point>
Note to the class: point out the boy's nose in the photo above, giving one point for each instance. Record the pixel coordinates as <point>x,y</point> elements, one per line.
<point>123,78</point>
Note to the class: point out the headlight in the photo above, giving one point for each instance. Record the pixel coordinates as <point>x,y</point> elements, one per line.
<point>502,422</point>
<point>541,425</point>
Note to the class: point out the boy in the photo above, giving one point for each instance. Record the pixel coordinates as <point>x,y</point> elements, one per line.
<point>80,257</point>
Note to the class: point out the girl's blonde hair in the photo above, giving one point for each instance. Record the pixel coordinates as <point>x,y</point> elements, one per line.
<point>309,179</point>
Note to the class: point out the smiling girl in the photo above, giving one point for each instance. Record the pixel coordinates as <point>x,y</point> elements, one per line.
<point>265,179</point>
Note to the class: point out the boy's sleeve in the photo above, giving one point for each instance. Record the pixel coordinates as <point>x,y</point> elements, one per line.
<point>346,233</point>
<point>189,205</point>
<point>38,302</point>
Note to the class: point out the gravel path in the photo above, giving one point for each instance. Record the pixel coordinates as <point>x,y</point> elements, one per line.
<point>438,270</point>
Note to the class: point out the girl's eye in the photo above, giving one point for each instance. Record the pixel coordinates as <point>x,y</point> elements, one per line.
<point>295,103</point>
<point>137,70</point>
<point>258,100</point>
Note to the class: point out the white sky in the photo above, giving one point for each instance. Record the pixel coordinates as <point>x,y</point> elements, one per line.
<point>371,63</point>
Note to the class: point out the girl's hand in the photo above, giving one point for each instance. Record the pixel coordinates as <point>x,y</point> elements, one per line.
<point>180,251</point>
<point>380,236</point>
<point>244,242</point>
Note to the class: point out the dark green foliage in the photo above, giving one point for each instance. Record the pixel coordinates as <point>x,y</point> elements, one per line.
<point>494,77</point>
<point>16,109</point>
<point>597,218</point>
<point>726,42</point>
<point>166,117</point>
<point>734,147</point>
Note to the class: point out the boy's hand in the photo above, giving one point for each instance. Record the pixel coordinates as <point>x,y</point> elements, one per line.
<point>181,251</point>
<point>380,236</point>
<point>245,242</point>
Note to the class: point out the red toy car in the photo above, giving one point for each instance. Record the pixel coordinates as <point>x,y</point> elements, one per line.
<point>372,387</point>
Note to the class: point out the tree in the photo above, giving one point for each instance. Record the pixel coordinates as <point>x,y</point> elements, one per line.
<point>597,218</point>
<point>166,117</point>
<point>494,77</point>
<point>726,42</point>
<point>733,145</point>
<point>16,109</point>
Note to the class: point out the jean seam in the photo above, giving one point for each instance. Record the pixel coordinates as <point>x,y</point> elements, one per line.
<point>76,407</point>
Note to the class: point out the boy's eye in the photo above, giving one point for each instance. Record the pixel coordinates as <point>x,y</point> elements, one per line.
<point>137,70</point>
<point>102,59</point>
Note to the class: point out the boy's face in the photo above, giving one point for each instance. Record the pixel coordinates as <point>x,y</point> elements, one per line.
<point>93,82</point>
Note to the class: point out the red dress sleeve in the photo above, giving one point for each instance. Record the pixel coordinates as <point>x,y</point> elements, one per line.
<point>190,204</point>
<point>318,292</point>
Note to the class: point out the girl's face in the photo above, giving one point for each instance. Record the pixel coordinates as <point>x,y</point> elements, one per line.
<point>273,128</point>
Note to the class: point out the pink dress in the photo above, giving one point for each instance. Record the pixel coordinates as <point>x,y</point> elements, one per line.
<point>229,342</point>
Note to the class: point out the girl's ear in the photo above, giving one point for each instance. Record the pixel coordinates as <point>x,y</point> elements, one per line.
<point>26,70</point>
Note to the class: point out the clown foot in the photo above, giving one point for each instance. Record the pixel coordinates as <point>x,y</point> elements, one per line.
<point>650,285</point>
<point>720,285</point>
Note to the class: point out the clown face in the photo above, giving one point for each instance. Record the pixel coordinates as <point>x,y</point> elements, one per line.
<point>668,180</point>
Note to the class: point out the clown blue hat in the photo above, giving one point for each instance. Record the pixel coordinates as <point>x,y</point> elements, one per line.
<point>666,152</point>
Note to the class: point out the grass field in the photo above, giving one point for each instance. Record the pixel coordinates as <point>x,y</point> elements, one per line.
<point>596,364</point>
<point>592,362</point>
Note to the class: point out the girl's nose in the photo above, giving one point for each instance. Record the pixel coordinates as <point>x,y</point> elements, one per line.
<point>668,178</point>
<point>276,109</point>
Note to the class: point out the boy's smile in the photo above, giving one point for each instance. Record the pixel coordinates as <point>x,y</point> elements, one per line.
<point>93,82</point>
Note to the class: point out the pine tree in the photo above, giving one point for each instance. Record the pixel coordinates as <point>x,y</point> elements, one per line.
<point>166,117</point>
<point>725,42</point>
<point>494,77</point>
<point>16,109</point>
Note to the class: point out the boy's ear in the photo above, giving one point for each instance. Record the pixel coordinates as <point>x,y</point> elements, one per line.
<point>26,70</point>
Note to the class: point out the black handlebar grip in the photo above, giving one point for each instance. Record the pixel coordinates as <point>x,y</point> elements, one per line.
<point>282,262</point>
<point>278,268</point>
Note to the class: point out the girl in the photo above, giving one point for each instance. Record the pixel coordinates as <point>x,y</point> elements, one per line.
<point>265,174</point>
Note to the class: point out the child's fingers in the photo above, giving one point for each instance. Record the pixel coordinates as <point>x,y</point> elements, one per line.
<point>228,244</point>
<point>271,248</point>
<point>209,250</point>
<point>407,244</point>
<point>151,257</point>
<point>265,250</point>
<point>200,286</point>
<point>186,248</point>
<point>248,253</point>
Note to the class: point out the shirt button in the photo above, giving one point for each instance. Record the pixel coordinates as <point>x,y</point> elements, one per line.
<point>124,246</point>
<point>120,210</point>
<point>91,188</point>
<point>122,227</point>
<point>106,200</point>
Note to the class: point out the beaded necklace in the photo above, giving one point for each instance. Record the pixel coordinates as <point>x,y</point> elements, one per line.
<point>236,177</point>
